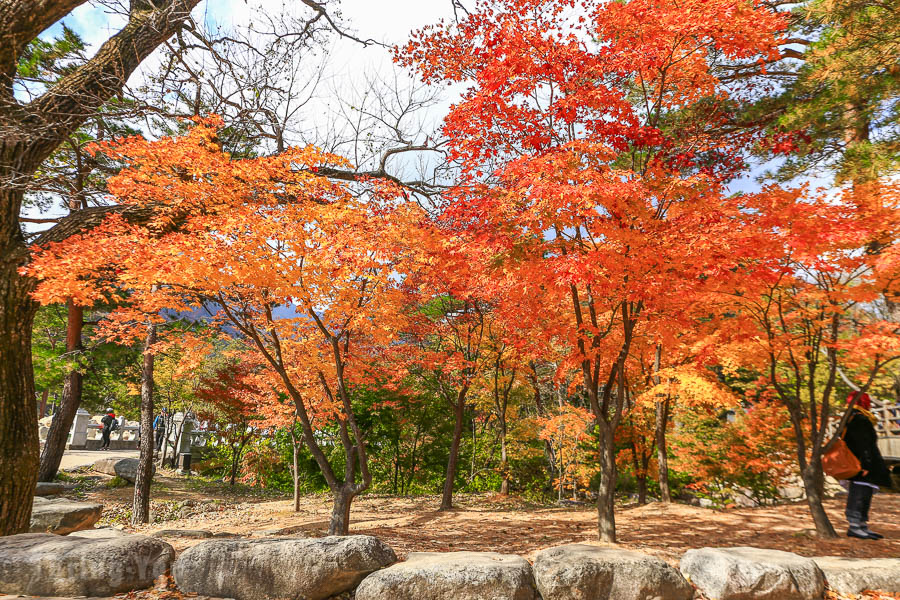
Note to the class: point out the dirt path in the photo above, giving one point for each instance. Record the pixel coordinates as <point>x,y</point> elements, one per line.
<point>508,525</point>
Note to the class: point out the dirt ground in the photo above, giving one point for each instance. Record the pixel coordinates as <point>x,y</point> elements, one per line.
<point>495,523</point>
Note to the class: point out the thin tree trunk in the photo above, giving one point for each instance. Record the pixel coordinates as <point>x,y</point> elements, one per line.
<point>662,424</point>
<point>58,434</point>
<point>452,461</point>
<point>504,465</point>
<point>296,469</point>
<point>662,454</point>
<point>814,484</point>
<point>141,507</point>
<point>43,410</point>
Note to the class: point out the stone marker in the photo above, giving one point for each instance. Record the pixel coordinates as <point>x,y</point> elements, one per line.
<point>753,574</point>
<point>853,575</point>
<point>126,468</point>
<point>44,564</point>
<point>452,575</point>
<point>581,571</point>
<point>280,568</point>
<point>63,516</point>
<point>44,488</point>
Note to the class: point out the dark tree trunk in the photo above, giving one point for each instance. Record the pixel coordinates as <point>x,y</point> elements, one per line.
<point>141,507</point>
<point>29,133</point>
<point>453,460</point>
<point>504,461</point>
<point>814,484</point>
<point>295,472</point>
<point>662,455</point>
<point>42,412</point>
<point>58,435</point>
<point>642,489</point>
<point>606,494</point>
<point>18,425</point>
<point>662,425</point>
<point>340,512</point>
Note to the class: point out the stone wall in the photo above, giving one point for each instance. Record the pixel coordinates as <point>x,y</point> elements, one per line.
<point>366,568</point>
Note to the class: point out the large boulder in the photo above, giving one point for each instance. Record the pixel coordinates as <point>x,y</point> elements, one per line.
<point>41,564</point>
<point>452,575</point>
<point>581,571</point>
<point>126,468</point>
<point>280,568</point>
<point>753,574</point>
<point>853,575</point>
<point>45,488</point>
<point>63,516</point>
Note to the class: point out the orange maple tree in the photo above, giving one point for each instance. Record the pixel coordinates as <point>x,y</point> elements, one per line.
<point>300,267</point>
<point>591,186</point>
<point>814,309</point>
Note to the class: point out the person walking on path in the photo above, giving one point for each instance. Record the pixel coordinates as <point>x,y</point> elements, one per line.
<point>159,426</point>
<point>862,440</point>
<point>109,423</point>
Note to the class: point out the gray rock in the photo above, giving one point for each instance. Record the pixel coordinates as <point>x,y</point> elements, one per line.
<point>752,574</point>
<point>64,516</point>
<point>44,488</point>
<point>853,575</point>
<point>281,568</point>
<point>126,468</point>
<point>452,576</point>
<point>196,534</point>
<point>100,533</point>
<point>42,564</point>
<point>580,571</point>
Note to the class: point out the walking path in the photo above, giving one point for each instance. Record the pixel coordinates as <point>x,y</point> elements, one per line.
<point>73,459</point>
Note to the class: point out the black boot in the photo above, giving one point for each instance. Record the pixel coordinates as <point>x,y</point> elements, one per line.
<point>856,531</point>
<point>872,534</point>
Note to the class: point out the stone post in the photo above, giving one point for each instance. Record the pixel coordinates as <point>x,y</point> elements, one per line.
<point>78,433</point>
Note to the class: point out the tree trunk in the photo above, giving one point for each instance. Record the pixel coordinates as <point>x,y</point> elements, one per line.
<point>606,494</point>
<point>504,464</point>
<point>642,489</point>
<point>168,423</point>
<point>340,512</point>
<point>662,425</point>
<point>58,435</point>
<point>662,455</point>
<point>235,457</point>
<point>450,476</point>
<point>296,470</point>
<point>42,412</point>
<point>141,508</point>
<point>814,484</point>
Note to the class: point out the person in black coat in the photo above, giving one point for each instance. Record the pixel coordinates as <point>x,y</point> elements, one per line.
<point>862,440</point>
<point>109,422</point>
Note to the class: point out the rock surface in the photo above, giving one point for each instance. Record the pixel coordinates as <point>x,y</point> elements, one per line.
<point>44,488</point>
<point>42,564</point>
<point>853,575</point>
<point>126,468</point>
<point>197,534</point>
<point>452,575</point>
<point>281,568</point>
<point>752,574</point>
<point>100,533</point>
<point>581,571</point>
<point>64,516</point>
